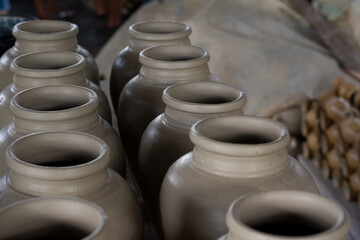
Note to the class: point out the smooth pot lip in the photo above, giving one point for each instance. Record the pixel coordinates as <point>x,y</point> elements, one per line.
<point>143,30</point>
<point>24,30</point>
<point>54,203</point>
<point>198,55</point>
<point>19,110</point>
<point>72,62</point>
<point>211,89</point>
<point>58,173</point>
<point>199,138</point>
<point>302,199</point>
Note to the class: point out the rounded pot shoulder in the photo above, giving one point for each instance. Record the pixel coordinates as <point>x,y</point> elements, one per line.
<point>92,70</point>
<point>104,106</point>
<point>5,114</point>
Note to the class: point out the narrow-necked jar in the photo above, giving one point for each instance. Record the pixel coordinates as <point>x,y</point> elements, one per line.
<point>143,35</point>
<point>286,214</point>
<point>232,156</point>
<point>54,218</point>
<point>167,137</point>
<point>141,99</point>
<point>45,68</point>
<point>60,107</point>
<point>70,164</point>
<point>43,36</point>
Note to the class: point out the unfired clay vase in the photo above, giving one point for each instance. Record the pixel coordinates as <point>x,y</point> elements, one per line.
<point>44,68</point>
<point>60,107</point>
<point>167,137</point>
<point>54,218</point>
<point>233,156</point>
<point>43,36</point>
<point>62,163</point>
<point>140,101</point>
<point>291,215</point>
<point>143,35</point>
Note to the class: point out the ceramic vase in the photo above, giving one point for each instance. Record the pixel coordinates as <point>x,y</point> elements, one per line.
<point>286,214</point>
<point>60,107</point>
<point>65,163</point>
<point>43,36</point>
<point>141,99</point>
<point>143,35</point>
<point>54,218</point>
<point>44,68</point>
<point>167,137</point>
<point>233,156</point>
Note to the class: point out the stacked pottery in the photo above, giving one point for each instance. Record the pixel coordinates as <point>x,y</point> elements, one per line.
<point>42,36</point>
<point>44,68</point>
<point>65,164</point>
<point>167,137</point>
<point>59,107</point>
<point>140,101</point>
<point>291,215</point>
<point>143,35</point>
<point>54,218</point>
<point>233,156</point>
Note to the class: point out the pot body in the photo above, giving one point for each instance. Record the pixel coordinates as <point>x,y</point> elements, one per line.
<point>70,164</point>
<point>55,36</point>
<point>166,138</point>
<point>141,99</point>
<point>44,68</point>
<point>143,35</point>
<point>204,182</point>
<point>81,115</point>
<point>54,218</point>
<point>286,214</point>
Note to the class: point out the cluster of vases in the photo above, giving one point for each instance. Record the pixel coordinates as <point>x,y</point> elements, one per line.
<point>190,149</point>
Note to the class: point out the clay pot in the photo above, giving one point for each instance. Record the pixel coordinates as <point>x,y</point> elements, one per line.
<point>288,215</point>
<point>336,108</point>
<point>44,68</point>
<point>233,156</point>
<point>350,129</point>
<point>54,218</point>
<point>143,35</point>
<point>60,107</point>
<point>62,163</point>
<point>43,36</point>
<point>140,101</point>
<point>167,137</point>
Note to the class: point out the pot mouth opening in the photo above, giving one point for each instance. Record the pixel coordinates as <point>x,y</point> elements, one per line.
<point>52,218</point>
<point>277,213</point>
<point>48,61</point>
<point>45,27</point>
<point>56,149</point>
<point>158,27</point>
<point>54,98</point>
<point>174,53</point>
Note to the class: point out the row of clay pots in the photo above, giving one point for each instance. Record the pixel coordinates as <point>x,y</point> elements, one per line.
<point>331,125</point>
<point>263,216</point>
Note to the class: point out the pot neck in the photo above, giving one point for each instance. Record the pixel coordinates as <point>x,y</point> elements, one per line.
<point>154,33</point>
<point>45,35</point>
<point>172,64</point>
<point>55,107</point>
<point>325,218</point>
<point>188,103</point>
<point>45,68</point>
<point>83,219</point>
<point>57,163</point>
<point>240,146</point>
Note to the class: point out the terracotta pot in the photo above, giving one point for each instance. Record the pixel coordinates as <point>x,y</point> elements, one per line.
<point>61,163</point>
<point>38,69</point>
<point>350,129</point>
<point>167,137</point>
<point>43,36</point>
<point>140,101</point>
<point>288,215</point>
<point>143,35</point>
<point>59,107</point>
<point>336,108</point>
<point>54,218</point>
<point>233,156</point>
